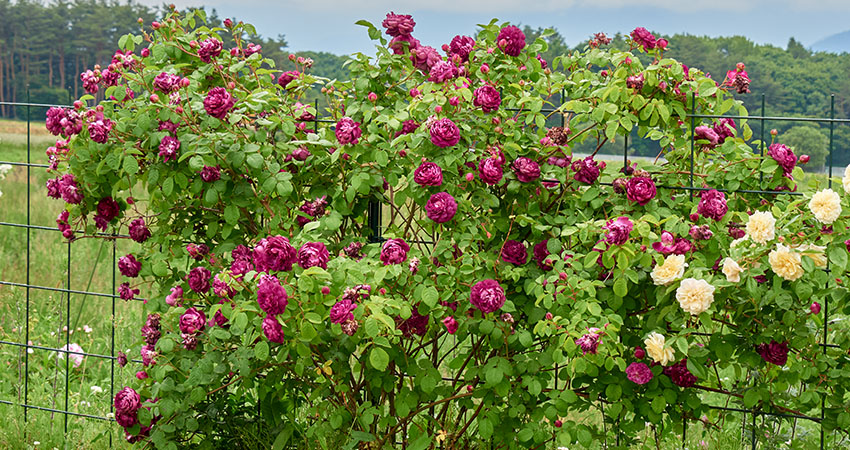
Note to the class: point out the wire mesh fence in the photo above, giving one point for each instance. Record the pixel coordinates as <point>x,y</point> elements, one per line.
<point>66,287</point>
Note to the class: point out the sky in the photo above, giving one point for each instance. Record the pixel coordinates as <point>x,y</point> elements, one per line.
<point>329,25</point>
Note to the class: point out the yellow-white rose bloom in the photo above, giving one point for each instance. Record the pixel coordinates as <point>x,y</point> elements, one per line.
<point>826,206</point>
<point>695,296</point>
<point>732,270</point>
<point>672,269</point>
<point>785,263</point>
<point>657,351</point>
<point>761,227</point>
<point>816,252</point>
<point>846,180</point>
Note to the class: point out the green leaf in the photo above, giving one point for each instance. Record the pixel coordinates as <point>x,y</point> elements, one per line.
<point>231,214</point>
<point>751,397</point>
<point>131,166</point>
<point>255,160</point>
<point>621,287</point>
<point>838,256</point>
<point>431,296</point>
<point>658,404</point>
<point>379,358</point>
<point>283,438</point>
<point>261,351</point>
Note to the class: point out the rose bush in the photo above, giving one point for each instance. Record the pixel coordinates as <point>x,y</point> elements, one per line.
<point>277,316</point>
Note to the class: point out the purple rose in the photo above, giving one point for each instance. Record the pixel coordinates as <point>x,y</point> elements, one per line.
<point>397,44</point>
<point>428,174</point>
<point>287,77</point>
<point>167,125</point>
<point>461,46</point>
<point>700,233</point>
<point>126,418</point>
<point>166,82</point>
<point>197,251</point>
<point>313,254</point>
<point>125,292</point>
<point>444,133</point>
<point>347,131</point>
<point>174,298</point>
<point>784,156</point>
<point>210,174</point>
<point>543,63</point>
<point>724,128</point>
<point>441,207</point>
<point>128,266</point>
<point>712,204</point>
<point>424,57</point>
<point>774,353</point>
<point>640,190</point>
<point>394,251</point>
<point>618,230</point>
<point>192,321</point>
<point>442,71</point>
<point>407,127</point>
<point>108,209</point>
<point>540,253</point>
<point>514,252</point>
<point>487,97</point>
<point>416,324</point>
<point>671,244</point>
<point>274,253</point>
<point>487,295</point>
<point>589,342</point>
<point>271,295</point>
<point>490,171</point>
<point>218,102</point>
<point>54,119</point>
<point>451,324</point>
<point>99,130</point>
<point>398,24</point>
<point>69,189</point>
<point>586,170</point>
<point>526,169</point>
<point>638,373</point>
<point>199,280</point>
<point>121,359</point>
<point>643,38</point>
<point>272,329</point>
<point>354,250</point>
<point>127,400</point>
<point>511,40</point>
<point>190,340</point>
<point>312,209</point>
<point>680,375</point>
<point>341,311</point>
<point>168,147</point>
<point>209,49</point>
<point>704,133</point>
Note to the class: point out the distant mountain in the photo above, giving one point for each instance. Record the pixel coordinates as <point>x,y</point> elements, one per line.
<point>837,43</point>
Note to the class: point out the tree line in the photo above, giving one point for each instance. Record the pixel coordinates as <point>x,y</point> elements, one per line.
<point>45,46</point>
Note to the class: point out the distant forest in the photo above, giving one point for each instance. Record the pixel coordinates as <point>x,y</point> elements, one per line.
<point>46,45</point>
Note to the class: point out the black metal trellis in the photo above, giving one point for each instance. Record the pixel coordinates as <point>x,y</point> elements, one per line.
<point>374,222</point>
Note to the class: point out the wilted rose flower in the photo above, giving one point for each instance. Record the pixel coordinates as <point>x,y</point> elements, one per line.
<point>712,204</point>
<point>586,170</point>
<point>559,135</point>
<point>218,102</point>
<point>540,253</point>
<point>347,131</point>
<point>210,174</point>
<point>589,343</point>
<point>416,324</point>
<point>774,352</point>
<point>635,82</point>
<point>680,375</point>
<point>784,156</point>
<point>511,40</point>
<point>490,171</point>
<point>313,254</point>
<point>640,190</point>
<point>441,207</point>
<point>526,169</point>
<point>274,253</point>
<point>488,98</point>
<point>168,148</point>
<point>394,251</point>
<point>271,296</point>
<point>175,297</point>
<point>618,230</point>
<point>428,174</point>
<point>671,244</point>
<point>444,133</point>
<point>209,49</point>
<point>121,359</point>
<point>192,321</point>
<point>125,292</point>
<point>272,329</point>
<point>514,252</point>
<point>128,266</point>
<point>700,233</point>
<point>487,295</point>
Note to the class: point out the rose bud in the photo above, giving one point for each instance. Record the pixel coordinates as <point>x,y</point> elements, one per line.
<point>155,25</point>
<point>228,23</point>
<point>146,52</point>
<point>291,57</point>
<point>485,68</point>
<point>803,159</point>
<point>815,308</point>
<point>773,132</point>
<point>193,44</point>
<point>78,104</point>
<point>154,98</point>
<point>373,97</point>
<point>438,109</point>
<point>469,388</point>
<point>558,423</point>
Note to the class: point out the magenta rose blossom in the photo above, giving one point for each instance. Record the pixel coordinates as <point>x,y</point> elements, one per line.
<point>54,119</point>
<point>126,418</point>
<point>680,375</point>
<point>139,232</point>
<point>274,253</point>
<point>724,128</point>
<point>210,174</point>
<point>428,174</point>
<point>712,204</point>
<point>618,230</point>
<point>640,190</point>
<point>99,130</point>
<point>784,156</point>
<point>199,280</point>
<point>461,46</point>
<point>540,253</point>
<point>416,324</point>
<point>394,251</point>
<point>272,329</point>
<point>341,311</point>
<point>589,342</point>
<point>511,40</point>
<point>444,133</point>
<point>398,24</point>
<point>218,102</point>
<point>487,295</point>
<point>514,252</point>
<point>168,147</point>
<point>490,171</point>
<point>313,254</point>
<point>347,131</point>
<point>271,296</point>
<point>397,44</point>
<point>442,71</point>
<point>451,324</point>
<point>644,38</point>
<point>127,400</point>
<point>166,82</point>
<point>638,373</point>
<point>488,98</point>
<point>209,49</point>
<point>526,169</point>
<point>287,77</point>
<point>586,170</point>
<point>192,321</point>
<point>704,133</point>
<point>774,353</point>
<point>441,207</point>
<point>424,57</point>
<point>671,244</point>
<point>128,266</point>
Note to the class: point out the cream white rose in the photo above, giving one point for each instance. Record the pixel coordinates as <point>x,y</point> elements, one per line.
<point>785,262</point>
<point>655,348</point>
<point>826,206</point>
<point>761,227</point>
<point>671,270</point>
<point>695,296</point>
<point>732,270</point>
